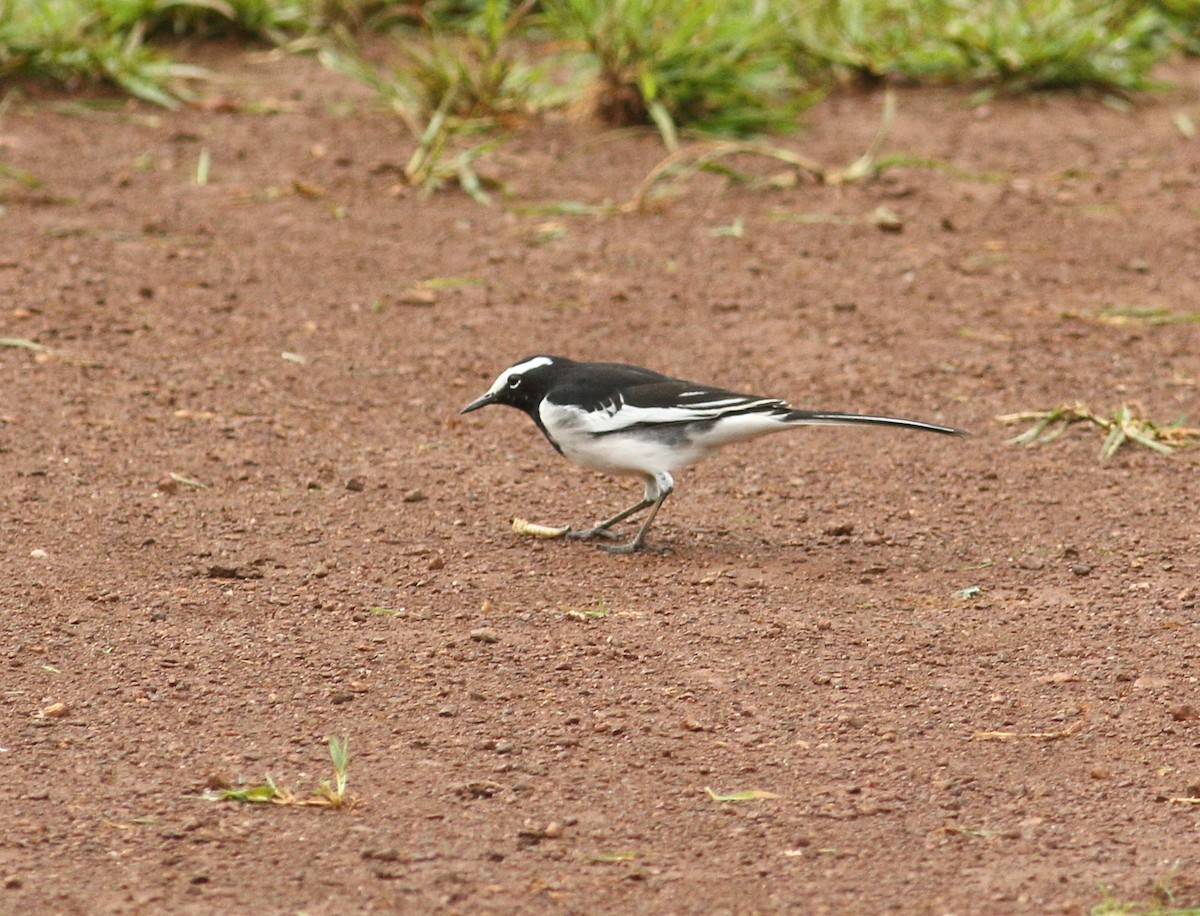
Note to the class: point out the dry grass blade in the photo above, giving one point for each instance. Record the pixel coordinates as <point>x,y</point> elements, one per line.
<point>1035,736</point>
<point>866,164</point>
<point>1127,424</point>
<point>1048,425</point>
<point>1152,316</point>
<point>741,795</point>
<point>20,343</point>
<point>26,178</point>
<point>187,481</point>
<point>685,162</point>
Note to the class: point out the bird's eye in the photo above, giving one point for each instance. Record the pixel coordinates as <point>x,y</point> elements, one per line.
<point>514,382</point>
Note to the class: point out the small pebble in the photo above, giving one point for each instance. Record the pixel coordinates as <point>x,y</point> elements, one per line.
<point>1081,570</point>
<point>1184,712</point>
<point>55,711</point>
<point>485,634</point>
<point>356,484</point>
<point>415,496</point>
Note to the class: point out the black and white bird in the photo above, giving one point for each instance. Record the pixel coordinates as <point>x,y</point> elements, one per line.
<point>627,420</point>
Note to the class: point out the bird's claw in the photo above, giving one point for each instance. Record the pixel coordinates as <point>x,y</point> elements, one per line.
<point>588,533</point>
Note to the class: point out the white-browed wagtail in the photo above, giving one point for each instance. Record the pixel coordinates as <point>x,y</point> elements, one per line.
<point>626,420</point>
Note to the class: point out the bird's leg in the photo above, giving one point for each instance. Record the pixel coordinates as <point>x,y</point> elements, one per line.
<point>601,530</point>
<point>658,488</point>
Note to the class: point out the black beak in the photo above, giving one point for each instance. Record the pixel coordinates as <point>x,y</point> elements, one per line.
<point>482,401</point>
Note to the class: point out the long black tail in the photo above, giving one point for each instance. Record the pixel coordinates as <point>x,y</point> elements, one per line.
<point>818,417</point>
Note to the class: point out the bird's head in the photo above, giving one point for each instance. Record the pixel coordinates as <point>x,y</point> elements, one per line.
<point>522,385</point>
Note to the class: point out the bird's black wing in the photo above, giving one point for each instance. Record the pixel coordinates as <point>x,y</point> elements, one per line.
<point>611,398</point>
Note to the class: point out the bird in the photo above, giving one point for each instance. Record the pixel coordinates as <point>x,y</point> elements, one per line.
<point>625,420</point>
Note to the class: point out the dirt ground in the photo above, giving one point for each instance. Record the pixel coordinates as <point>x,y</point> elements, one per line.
<point>967,670</point>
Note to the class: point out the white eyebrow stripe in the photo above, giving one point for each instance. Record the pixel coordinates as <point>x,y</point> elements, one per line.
<point>502,382</point>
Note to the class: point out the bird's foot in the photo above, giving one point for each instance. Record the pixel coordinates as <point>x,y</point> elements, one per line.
<point>588,534</point>
<point>635,545</point>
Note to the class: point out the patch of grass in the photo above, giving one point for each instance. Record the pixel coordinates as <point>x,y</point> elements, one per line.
<point>1162,902</point>
<point>1019,45</point>
<point>876,38</point>
<point>599,612</point>
<point>1184,19</point>
<point>723,66</point>
<point>273,20</point>
<point>733,67</point>
<point>330,793</point>
<point>334,791</point>
<point>1051,44</point>
<point>1126,425</point>
<point>472,75</point>
<point>76,43</point>
<point>450,87</point>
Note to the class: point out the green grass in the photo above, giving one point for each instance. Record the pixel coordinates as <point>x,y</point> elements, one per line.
<point>74,43</point>
<point>1162,902</point>
<point>471,75</point>
<point>731,67</point>
<point>77,43</point>
<point>330,793</point>
<point>1013,44</point>
<point>465,71</point>
<point>723,66</point>
<point>1183,16</point>
<point>451,86</point>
